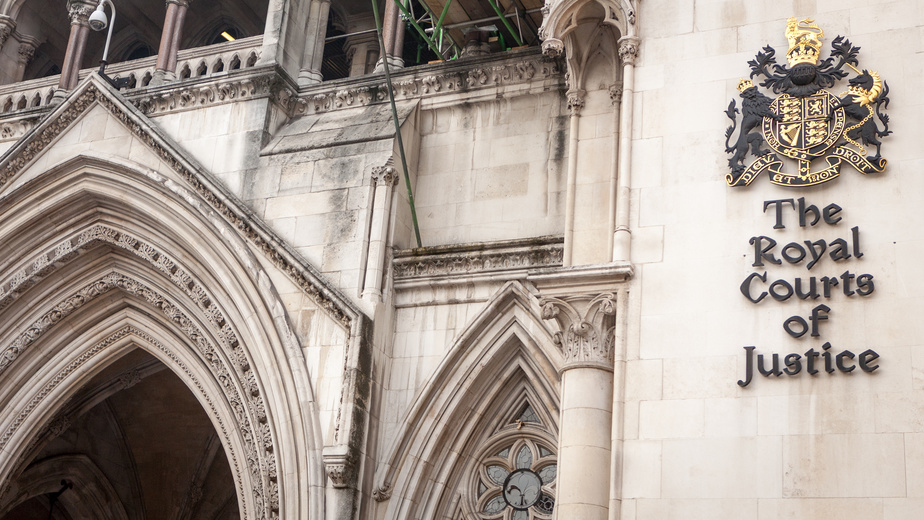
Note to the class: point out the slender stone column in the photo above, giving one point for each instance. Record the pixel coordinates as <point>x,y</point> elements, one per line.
<point>165,69</point>
<point>575,104</point>
<point>316,32</point>
<point>628,53</point>
<point>358,49</point>
<point>76,44</point>
<point>385,178</point>
<point>27,46</point>
<point>390,29</point>
<point>586,338</point>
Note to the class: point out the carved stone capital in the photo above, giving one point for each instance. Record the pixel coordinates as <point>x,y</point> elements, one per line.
<point>79,13</point>
<point>26,52</point>
<point>385,175</point>
<point>553,47</point>
<point>586,325</point>
<point>339,470</point>
<point>615,94</point>
<point>7,25</point>
<point>575,101</point>
<point>628,49</point>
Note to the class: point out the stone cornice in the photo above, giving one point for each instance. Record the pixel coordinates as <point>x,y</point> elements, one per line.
<point>468,260</point>
<point>252,84</point>
<point>453,77</point>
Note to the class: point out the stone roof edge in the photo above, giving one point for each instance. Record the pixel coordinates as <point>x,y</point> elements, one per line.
<point>95,89</point>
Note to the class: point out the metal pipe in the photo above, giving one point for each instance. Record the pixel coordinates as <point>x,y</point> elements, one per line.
<point>483,20</point>
<point>506,23</point>
<point>420,30</point>
<point>340,36</point>
<point>394,115</point>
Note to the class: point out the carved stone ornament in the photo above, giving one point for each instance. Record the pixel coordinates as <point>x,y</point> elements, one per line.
<point>339,470</point>
<point>26,52</point>
<point>485,258</point>
<point>628,50</point>
<point>575,101</point>
<point>553,47</point>
<point>586,325</point>
<point>385,175</point>
<point>478,76</point>
<point>80,13</point>
<point>7,25</point>
<point>615,94</point>
<point>381,494</point>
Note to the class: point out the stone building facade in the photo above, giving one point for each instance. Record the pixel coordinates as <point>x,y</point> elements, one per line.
<point>508,271</point>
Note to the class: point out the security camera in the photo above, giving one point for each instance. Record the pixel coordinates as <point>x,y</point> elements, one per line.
<point>98,20</point>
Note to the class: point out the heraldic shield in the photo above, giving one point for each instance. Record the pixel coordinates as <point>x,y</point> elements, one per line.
<point>806,122</point>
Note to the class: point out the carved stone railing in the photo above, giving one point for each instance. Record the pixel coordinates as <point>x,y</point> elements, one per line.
<point>212,61</point>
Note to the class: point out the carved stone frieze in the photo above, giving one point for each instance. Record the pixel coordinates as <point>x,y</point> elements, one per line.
<point>203,95</point>
<point>478,76</point>
<point>586,324</point>
<point>479,258</point>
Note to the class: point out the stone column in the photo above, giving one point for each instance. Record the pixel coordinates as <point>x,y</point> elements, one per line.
<point>76,44</point>
<point>391,27</point>
<point>586,324</point>
<point>316,32</point>
<point>358,48</point>
<point>384,179</point>
<point>575,104</point>
<point>170,37</point>
<point>628,53</point>
<point>27,46</point>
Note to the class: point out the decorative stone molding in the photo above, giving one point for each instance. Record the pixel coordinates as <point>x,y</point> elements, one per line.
<point>16,129</point>
<point>481,74</point>
<point>628,49</point>
<point>473,259</point>
<point>586,323</point>
<point>204,95</point>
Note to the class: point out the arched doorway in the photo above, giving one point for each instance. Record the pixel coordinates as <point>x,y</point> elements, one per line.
<point>132,443</point>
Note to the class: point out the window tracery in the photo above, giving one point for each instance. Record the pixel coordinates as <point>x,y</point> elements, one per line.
<point>516,476</point>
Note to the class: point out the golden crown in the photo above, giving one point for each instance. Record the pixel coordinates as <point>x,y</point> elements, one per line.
<point>804,41</point>
<point>744,84</point>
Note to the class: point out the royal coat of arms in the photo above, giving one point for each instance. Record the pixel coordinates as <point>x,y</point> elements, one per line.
<point>807,122</point>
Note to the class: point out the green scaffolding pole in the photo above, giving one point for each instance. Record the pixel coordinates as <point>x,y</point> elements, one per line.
<point>503,18</point>
<point>394,115</point>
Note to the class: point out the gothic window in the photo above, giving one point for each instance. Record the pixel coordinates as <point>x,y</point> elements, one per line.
<point>516,475</point>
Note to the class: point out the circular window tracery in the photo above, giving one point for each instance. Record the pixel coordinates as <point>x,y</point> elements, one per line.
<point>517,482</point>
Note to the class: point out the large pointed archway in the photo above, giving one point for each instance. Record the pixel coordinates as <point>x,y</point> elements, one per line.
<point>101,254</point>
<point>132,443</point>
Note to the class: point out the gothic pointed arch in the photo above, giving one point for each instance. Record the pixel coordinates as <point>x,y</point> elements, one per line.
<point>98,237</point>
<point>504,360</point>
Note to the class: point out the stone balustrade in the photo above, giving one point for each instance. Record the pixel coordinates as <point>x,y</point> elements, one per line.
<point>198,63</point>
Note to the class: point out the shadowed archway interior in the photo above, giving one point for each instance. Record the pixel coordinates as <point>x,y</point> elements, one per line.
<point>133,442</point>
